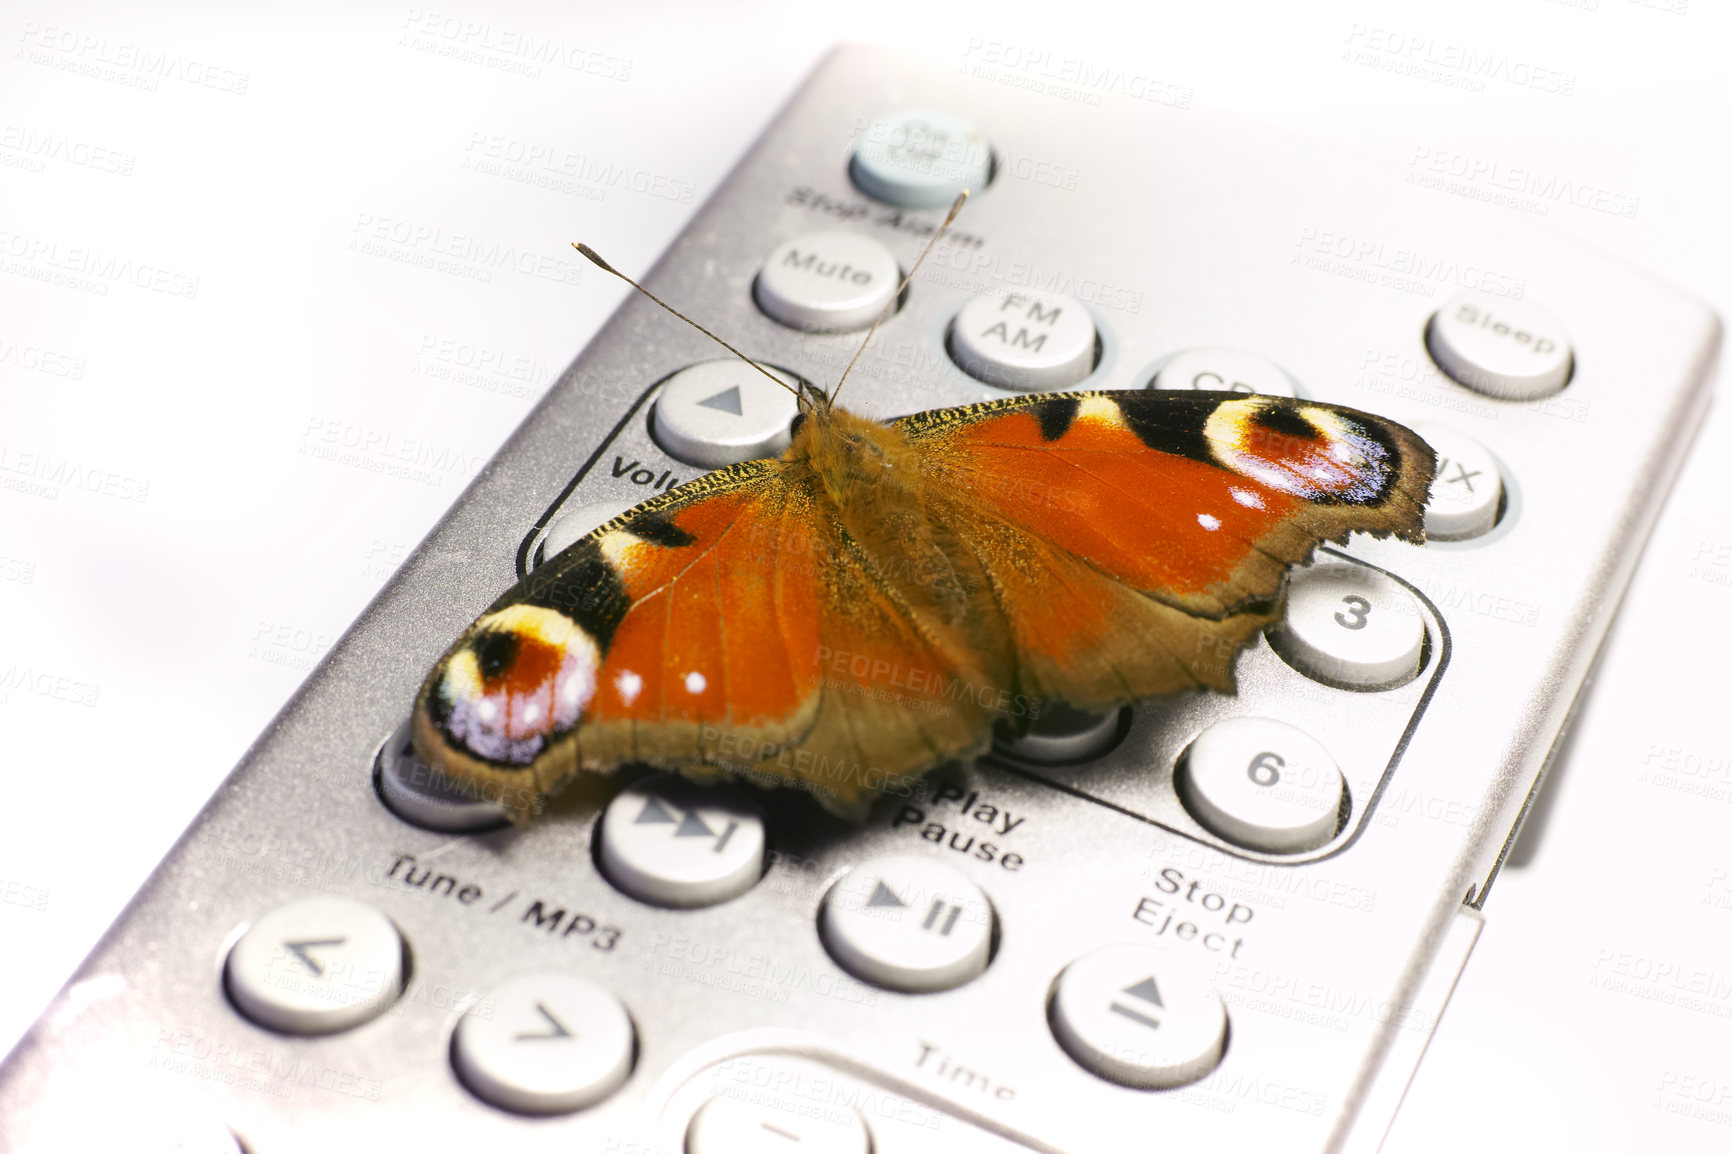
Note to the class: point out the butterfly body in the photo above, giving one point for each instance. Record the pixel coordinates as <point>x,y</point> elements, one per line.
<point>875,601</point>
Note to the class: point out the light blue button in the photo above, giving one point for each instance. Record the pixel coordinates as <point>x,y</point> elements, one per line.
<point>921,159</point>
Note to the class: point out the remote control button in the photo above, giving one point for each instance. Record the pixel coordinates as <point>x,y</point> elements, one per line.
<point>669,842</point>
<point>421,795</point>
<point>1025,341</point>
<point>1224,370</point>
<point>726,1125</point>
<point>828,282</point>
<point>1351,626</point>
<point>907,923</point>
<point>1467,491</point>
<point>1511,350</point>
<point>921,159</point>
<point>574,524</point>
<point>1262,784</point>
<point>1137,1016</point>
<point>722,412</point>
<point>316,966</point>
<point>1063,734</point>
<point>554,1043</point>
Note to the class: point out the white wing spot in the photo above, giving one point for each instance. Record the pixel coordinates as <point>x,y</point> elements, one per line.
<point>629,685</point>
<point>531,714</point>
<point>1247,498</point>
<point>695,683</point>
<point>1208,522</point>
<point>486,710</point>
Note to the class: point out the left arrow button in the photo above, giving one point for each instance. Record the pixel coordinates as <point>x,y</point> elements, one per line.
<point>316,966</point>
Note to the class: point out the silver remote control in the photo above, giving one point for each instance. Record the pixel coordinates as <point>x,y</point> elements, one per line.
<point>1206,922</point>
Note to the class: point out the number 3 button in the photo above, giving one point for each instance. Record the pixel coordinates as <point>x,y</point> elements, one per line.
<point>1351,627</point>
<point>1262,784</point>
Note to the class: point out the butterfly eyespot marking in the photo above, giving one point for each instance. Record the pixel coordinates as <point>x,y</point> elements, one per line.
<point>524,675</point>
<point>1309,451</point>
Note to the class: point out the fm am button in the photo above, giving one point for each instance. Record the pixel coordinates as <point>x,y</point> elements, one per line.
<point>1028,341</point>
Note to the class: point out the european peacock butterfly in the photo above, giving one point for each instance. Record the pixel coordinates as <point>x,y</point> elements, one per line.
<point>869,605</point>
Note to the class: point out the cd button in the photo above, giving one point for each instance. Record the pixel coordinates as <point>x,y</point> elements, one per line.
<point>1226,371</point>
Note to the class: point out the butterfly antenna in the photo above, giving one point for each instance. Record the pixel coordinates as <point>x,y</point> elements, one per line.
<point>897,295</point>
<point>595,259</point>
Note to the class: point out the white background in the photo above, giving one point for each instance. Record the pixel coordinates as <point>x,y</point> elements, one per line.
<point>172,562</point>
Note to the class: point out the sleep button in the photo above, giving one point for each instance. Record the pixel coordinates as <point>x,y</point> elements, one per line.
<point>1507,349</point>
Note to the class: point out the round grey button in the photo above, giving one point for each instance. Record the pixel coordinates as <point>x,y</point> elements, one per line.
<point>576,523</point>
<point>1063,734</point>
<point>1467,490</point>
<point>1035,342</point>
<point>1224,370</point>
<point>670,842</point>
<point>1511,350</point>
<point>316,966</point>
<point>921,158</point>
<point>720,412</point>
<point>1137,1016</point>
<point>1350,626</point>
<point>1262,784</point>
<point>907,923</point>
<point>828,282</point>
<point>553,1043</point>
<point>421,795</point>
<point>729,1125</point>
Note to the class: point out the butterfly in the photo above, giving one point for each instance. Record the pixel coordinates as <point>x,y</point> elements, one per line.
<point>879,599</point>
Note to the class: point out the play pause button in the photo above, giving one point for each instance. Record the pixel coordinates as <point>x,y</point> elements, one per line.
<point>907,923</point>
<point>720,412</point>
<point>1139,1017</point>
<point>670,842</point>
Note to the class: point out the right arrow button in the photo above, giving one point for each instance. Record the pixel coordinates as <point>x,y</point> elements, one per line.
<point>1139,1017</point>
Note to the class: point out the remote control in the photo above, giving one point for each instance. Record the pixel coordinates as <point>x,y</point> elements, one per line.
<point>1222,922</point>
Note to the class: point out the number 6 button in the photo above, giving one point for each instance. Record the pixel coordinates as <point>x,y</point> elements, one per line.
<point>1351,627</point>
<point>1262,784</point>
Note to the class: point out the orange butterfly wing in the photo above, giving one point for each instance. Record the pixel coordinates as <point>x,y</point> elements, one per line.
<point>867,606</point>
<point>1135,539</point>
